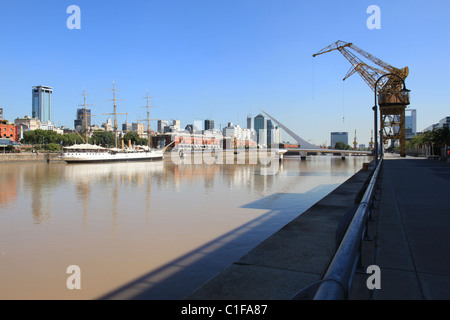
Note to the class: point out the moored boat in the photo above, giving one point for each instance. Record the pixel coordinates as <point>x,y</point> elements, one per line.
<point>87,153</point>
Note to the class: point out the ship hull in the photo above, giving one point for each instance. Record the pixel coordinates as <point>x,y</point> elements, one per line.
<point>112,158</point>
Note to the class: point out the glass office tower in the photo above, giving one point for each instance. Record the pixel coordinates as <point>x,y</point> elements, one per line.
<point>260,124</point>
<point>42,103</point>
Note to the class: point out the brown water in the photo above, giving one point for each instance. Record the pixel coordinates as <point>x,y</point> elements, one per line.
<point>153,230</point>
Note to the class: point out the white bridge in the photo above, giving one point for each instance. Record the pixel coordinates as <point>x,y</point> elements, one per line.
<point>343,153</point>
<point>306,147</point>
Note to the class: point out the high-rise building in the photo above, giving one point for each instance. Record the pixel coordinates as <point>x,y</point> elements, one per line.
<point>339,137</point>
<point>275,137</point>
<point>250,122</point>
<point>176,124</point>
<point>81,121</point>
<point>260,123</point>
<point>42,103</point>
<point>161,125</point>
<point>139,128</point>
<point>1,113</point>
<point>410,123</point>
<point>269,132</point>
<point>126,127</point>
<point>209,124</point>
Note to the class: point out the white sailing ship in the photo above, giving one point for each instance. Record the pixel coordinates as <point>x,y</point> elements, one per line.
<point>88,153</point>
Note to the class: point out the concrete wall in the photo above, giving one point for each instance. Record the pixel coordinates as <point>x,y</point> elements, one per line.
<point>30,157</point>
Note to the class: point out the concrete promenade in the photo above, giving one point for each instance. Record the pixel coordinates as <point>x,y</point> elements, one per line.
<point>411,231</point>
<point>409,239</point>
<point>293,257</point>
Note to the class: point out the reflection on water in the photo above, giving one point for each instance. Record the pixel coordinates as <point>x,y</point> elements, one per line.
<point>125,221</point>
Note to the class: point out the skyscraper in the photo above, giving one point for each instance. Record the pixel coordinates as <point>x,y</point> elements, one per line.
<point>126,127</point>
<point>339,137</point>
<point>80,122</point>
<point>260,124</point>
<point>269,132</point>
<point>161,125</point>
<point>209,124</point>
<point>250,122</point>
<point>411,122</point>
<point>42,103</point>
<point>1,113</point>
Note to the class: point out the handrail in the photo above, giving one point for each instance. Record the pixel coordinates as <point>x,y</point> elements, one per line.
<point>339,275</point>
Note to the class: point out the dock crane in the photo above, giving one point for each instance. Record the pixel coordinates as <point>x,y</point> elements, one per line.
<point>386,81</point>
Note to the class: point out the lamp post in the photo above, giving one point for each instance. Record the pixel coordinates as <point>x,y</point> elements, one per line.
<point>404,92</point>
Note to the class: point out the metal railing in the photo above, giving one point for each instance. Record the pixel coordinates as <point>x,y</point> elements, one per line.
<point>339,275</point>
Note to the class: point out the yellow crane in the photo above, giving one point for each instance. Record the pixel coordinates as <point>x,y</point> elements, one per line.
<point>386,81</point>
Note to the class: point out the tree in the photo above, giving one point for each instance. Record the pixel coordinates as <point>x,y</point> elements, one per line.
<point>39,136</point>
<point>439,137</point>
<point>70,139</point>
<point>103,138</point>
<point>133,136</point>
<point>52,147</point>
<point>341,146</point>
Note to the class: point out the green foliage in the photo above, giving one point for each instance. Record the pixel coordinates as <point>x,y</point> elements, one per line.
<point>41,137</point>
<point>341,146</point>
<point>438,137</point>
<point>134,138</point>
<point>52,147</point>
<point>103,138</point>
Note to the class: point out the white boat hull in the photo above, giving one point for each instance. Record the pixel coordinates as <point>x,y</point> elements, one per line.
<point>108,157</point>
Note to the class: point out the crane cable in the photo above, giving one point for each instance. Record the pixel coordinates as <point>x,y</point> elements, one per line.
<point>343,101</point>
<point>313,78</point>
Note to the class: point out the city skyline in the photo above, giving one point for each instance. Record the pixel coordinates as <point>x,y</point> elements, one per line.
<point>198,65</point>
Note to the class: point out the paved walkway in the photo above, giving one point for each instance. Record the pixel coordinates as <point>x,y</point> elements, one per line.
<point>412,232</point>
<point>410,228</point>
<point>292,258</point>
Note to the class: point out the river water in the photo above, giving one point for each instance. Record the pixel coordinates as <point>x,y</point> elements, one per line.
<point>145,230</point>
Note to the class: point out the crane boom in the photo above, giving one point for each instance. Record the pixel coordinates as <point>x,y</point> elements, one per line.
<point>369,73</point>
<point>385,81</point>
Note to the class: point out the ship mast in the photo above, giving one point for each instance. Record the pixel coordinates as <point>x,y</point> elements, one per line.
<point>148,106</point>
<point>85,114</point>
<point>115,112</point>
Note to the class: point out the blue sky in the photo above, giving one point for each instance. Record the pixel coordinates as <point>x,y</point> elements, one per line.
<point>222,59</point>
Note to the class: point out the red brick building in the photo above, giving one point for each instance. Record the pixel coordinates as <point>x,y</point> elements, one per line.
<point>8,130</point>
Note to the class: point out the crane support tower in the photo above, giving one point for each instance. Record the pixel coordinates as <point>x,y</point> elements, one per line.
<point>386,81</point>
